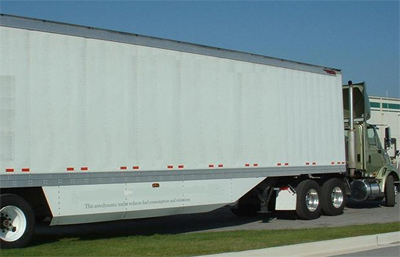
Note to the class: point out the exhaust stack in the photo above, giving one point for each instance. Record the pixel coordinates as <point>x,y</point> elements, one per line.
<point>351,140</point>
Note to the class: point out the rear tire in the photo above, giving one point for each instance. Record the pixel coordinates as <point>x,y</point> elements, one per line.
<point>390,196</point>
<point>308,205</point>
<point>333,197</point>
<point>17,221</point>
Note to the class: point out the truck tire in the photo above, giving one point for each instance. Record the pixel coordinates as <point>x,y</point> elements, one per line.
<point>308,200</point>
<point>333,197</point>
<point>390,196</point>
<point>17,221</point>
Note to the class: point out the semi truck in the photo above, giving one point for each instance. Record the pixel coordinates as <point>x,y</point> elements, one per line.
<point>99,125</point>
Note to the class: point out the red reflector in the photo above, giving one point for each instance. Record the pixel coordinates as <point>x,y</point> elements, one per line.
<point>211,166</point>
<point>314,163</point>
<point>338,162</point>
<point>255,164</point>
<point>332,162</point>
<point>135,167</point>
<point>170,167</point>
<point>155,185</point>
<point>84,168</point>
<point>284,188</point>
<point>247,165</point>
<point>25,169</point>
<point>307,163</point>
<point>70,169</point>
<point>220,165</point>
<point>123,167</point>
<point>180,166</point>
<point>9,170</point>
<point>342,162</point>
<point>286,164</point>
<point>332,72</point>
<point>279,164</point>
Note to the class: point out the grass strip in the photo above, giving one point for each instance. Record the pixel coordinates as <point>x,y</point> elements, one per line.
<point>189,244</point>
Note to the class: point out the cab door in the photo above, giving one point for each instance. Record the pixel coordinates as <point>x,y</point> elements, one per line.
<point>374,158</point>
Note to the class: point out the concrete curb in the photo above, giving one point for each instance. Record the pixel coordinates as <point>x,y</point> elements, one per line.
<point>323,248</point>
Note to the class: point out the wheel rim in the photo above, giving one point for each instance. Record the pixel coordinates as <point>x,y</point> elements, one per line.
<point>312,200</point>
<point>337,197</point>
<point>13,223</point>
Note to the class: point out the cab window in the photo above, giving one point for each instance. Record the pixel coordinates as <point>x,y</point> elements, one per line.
<point>371,136</point>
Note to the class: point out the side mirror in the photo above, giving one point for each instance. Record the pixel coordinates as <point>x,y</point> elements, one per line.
<point>388,140</point>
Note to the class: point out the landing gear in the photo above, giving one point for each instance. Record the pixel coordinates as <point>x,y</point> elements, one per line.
<point>17,221</point>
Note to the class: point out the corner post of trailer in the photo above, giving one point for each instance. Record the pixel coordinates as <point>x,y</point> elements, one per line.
<point>352,142</point>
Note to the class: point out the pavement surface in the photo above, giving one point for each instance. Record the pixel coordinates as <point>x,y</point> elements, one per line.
<point>224,220</point>
<point>381,252</point>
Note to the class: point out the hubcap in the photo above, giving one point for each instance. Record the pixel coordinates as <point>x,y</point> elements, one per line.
<point>312,199</point>
<point>337,197</point>
<point>12,223</point>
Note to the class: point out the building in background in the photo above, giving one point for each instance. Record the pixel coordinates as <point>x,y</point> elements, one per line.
<point>386,112</point>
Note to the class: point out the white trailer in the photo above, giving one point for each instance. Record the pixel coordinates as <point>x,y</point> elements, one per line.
<point>98,125</point>
<point>385,112</point>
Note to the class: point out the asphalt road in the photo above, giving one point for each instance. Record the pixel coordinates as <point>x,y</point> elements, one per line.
<point>223,220</point>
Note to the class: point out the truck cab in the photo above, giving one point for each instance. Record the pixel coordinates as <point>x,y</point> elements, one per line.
<point>371,174</point>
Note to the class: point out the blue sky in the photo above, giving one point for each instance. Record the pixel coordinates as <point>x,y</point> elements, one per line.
<point>359,37</point>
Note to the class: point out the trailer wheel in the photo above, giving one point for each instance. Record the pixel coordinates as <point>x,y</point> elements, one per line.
<point>390,194</point>
<point>17,221</point>
<point>308,204</point>
<point>333,197</point>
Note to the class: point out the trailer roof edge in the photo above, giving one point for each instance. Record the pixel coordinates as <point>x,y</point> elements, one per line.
<point>34,24</point>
